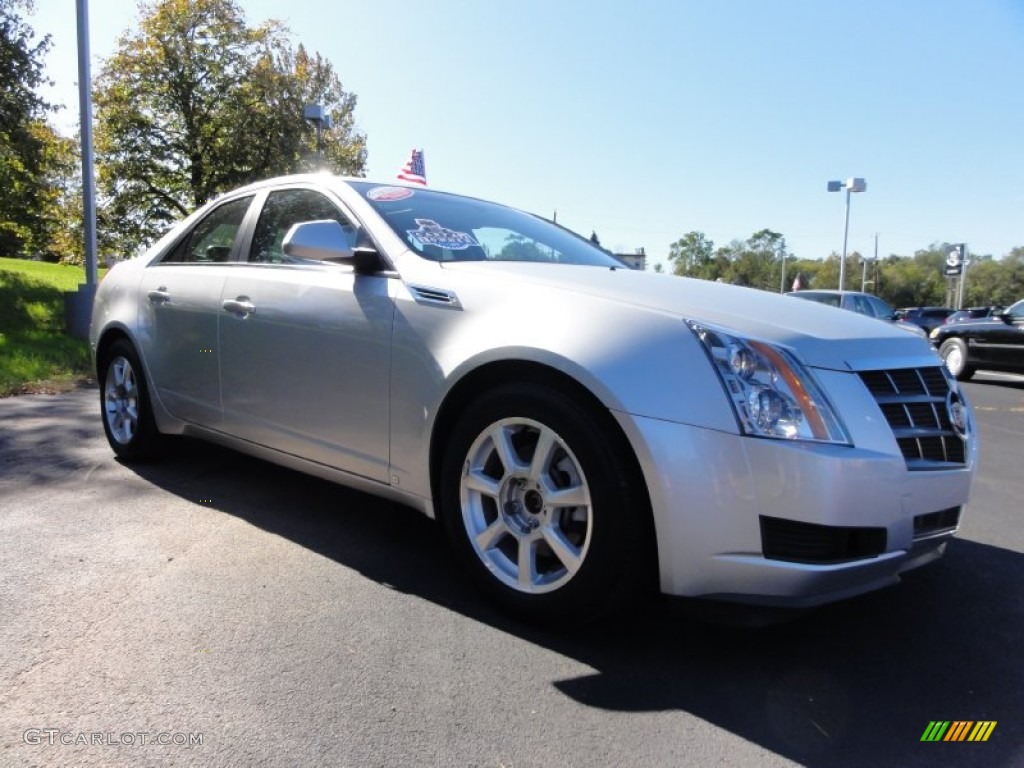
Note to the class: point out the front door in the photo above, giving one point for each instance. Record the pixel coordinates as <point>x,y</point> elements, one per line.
<point>305,349</point>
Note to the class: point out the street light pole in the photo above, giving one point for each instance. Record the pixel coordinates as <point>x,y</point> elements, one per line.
<point>782,283</point>
<point>78,304</point>
<point>963,278</point>
<point>846,234</point>
<point>864,273</point>
<point>85,113</point>
<point>317,115</point>
<point>852,185</point>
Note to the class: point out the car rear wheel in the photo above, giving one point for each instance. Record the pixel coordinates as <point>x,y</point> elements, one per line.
<point>954,354</point>
<point>540,505</point>
<point>127,414</point>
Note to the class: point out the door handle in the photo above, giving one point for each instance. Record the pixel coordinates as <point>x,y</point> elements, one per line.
<point>159,296</point>
<point>240,306</point>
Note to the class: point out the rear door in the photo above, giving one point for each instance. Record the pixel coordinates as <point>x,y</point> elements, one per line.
<point>179,310</point>
<point>305,346</point>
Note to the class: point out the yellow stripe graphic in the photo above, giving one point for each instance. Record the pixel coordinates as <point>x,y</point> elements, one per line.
<point>982,730</point>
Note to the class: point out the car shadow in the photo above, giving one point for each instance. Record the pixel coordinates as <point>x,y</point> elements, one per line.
<point>845,686</point>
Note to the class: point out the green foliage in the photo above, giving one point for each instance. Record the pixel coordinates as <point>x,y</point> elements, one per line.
<point>60,197</point>
<point>995,282</point>
<point>691,255</point>
<point>196,102</point>
<point>35,353</point>
<point>755,262</point>
<point>903,281</point>
<point>22,152</point>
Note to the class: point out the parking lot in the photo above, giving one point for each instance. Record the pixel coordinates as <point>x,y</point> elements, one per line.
<point>216,610</point>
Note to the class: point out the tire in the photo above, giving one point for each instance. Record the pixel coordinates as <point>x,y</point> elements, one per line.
<point>954,355</point>
<point>542,508</point>
<point>125,405</point>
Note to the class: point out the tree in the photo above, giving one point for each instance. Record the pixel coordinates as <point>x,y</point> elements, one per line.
<point>60,199</point>
<point>691,254</point>
<point>22,110</point>
<point>196,102</point>
<point>991,282</point>
<point>756,263</point>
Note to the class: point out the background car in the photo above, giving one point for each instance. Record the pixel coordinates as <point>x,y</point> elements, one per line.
<point>993,343</point>
<point>925,318</point>
<point>581,431</point>
<point>862,303</point>
<point>973,313</point>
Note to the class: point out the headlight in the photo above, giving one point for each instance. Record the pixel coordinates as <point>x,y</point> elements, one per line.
<point>772,394</point>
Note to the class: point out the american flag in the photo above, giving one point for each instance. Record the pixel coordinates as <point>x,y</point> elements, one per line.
<point>414,170</point>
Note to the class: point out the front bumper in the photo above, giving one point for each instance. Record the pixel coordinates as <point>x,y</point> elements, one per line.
<point>710,492</point>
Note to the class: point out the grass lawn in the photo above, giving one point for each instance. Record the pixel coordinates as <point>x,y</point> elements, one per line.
<point>36,355</point>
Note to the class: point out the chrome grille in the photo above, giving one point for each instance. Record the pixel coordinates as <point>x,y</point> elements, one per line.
<point>913,401</point>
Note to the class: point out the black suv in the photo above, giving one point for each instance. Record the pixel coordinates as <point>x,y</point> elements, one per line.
<point>994,343</point>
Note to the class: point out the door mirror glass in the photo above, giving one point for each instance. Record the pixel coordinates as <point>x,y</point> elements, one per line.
<point>324,240</point>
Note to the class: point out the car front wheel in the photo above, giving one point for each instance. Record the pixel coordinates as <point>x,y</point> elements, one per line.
<point>127,414</point>
<point>539,502</point>
<point>954,354</point>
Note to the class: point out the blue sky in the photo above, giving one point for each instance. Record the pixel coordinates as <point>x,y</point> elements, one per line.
<point>645,120</point>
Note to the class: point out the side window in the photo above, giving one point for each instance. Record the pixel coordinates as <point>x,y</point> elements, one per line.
<point>879,307</point>
<point>210,240</point>
<point>282,210</point>
<point>861,305</point>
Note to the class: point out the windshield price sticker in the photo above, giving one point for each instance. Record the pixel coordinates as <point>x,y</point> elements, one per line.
<point>429,232</point>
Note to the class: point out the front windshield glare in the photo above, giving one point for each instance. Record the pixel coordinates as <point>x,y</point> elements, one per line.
<point>444,227</point>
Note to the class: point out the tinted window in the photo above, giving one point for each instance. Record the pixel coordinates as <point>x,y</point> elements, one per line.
<point>859,304</point>
<point>281,212</point>
<point>212,238</point>
<point>444,227</point>
<point>879,308</point>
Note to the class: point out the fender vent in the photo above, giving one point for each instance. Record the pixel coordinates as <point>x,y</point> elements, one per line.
<point>435,297</point>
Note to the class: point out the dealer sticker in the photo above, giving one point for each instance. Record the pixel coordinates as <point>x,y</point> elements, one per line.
<point>388,194</point>
<point>429,232</point>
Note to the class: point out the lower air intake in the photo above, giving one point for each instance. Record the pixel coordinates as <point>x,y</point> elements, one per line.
<point>797,542</point>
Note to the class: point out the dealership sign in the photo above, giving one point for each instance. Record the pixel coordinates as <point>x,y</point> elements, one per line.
<point>956,260</point>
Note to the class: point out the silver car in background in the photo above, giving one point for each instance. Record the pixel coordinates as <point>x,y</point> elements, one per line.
<point>864,303</point>
<point>581,430</point>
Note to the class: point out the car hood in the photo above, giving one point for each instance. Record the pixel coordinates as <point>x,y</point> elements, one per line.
<point>821,336</point>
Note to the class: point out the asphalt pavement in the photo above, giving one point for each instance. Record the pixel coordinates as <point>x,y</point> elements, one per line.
<point>212,610</point>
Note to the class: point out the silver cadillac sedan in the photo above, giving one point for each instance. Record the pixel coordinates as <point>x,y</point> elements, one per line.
<point>581,430</point>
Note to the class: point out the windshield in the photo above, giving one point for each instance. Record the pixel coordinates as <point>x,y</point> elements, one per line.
<point>444,227</point>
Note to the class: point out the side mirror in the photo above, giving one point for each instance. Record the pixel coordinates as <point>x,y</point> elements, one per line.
<point>324,240</point>
<point>327,240</point>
